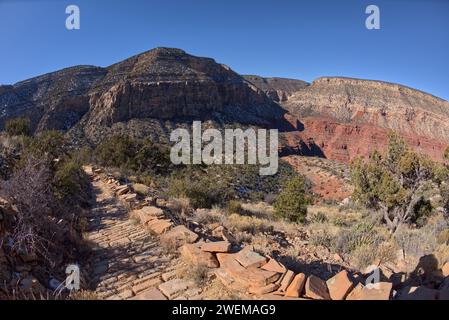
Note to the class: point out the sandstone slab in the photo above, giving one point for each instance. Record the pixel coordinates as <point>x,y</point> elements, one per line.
<point>174,287</point>
<point>275,266</point>
<point>296,287</point>
<point>316,288</point>
<point>218,246</point>
<point>195,255</point>
<point>339,285</point>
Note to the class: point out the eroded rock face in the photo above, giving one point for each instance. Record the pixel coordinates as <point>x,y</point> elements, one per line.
<point>345,117</point>
<point>161,84</point>
<point>151,93</point>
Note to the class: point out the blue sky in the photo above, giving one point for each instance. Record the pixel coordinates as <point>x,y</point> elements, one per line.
<point>285,38</point>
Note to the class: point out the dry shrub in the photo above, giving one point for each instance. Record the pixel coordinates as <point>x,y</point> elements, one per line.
<point>209,216</point>
<point>249,224</point>
<point>216,290</point>
<point>321,238</point>
<point>29,189</point>
<point>169,245</point>
<point>83,295</point>
<point>199,274</point>
<point>442,254</point>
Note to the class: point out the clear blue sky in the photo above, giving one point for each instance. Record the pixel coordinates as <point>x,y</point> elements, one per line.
<point>285,38</point>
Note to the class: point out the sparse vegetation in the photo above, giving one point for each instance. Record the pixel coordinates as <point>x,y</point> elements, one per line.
<point>18,127</point>
<point>292,202</point>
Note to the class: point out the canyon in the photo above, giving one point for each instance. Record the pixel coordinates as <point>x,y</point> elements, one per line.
<point>152,93</point>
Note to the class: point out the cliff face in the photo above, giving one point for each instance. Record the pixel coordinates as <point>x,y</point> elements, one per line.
<point>348,117</point>
<point>163,84</point>
<point>151,93</point>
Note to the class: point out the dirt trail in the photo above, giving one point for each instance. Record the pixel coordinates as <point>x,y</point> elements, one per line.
<point>128,262</point>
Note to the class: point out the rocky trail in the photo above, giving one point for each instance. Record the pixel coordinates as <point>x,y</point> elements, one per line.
<point>128,262</point>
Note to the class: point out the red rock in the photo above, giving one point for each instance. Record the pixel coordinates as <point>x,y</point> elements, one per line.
<point>248,277</point>
<point>275,266</point>
<point>339,285</point>
<point>377,291</point>
<point>195,255</point>
<point>219,246</point>
<point>316,289</point>
<point>181,235</point>
<point>159,226</point>
<point>263,290</point>
<point>286,280</point>
<point>151,294</point>
<point>248,258</point>
<point>445,269</point>
<point>296,287</point>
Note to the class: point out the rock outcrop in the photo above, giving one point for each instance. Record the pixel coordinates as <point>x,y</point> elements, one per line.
<point>345,117</point>
<point>151,93</point>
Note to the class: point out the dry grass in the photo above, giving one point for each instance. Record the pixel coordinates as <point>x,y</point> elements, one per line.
<point>218,291</point>
<point>83,295</point>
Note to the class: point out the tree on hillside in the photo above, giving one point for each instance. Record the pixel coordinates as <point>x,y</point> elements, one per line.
<point>395,183</point>
<point>292,202</point>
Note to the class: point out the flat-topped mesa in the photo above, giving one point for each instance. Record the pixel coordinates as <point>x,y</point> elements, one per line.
<point>278,89</point>
<point>347,117</point>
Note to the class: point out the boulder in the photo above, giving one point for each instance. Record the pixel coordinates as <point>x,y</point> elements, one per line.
<point>219,246</point>
<point>296,287</point>
<point>192,253</point>
<point>316,289</point>
<point>339,285</point>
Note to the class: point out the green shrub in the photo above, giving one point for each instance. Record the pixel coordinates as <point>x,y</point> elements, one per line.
<point>70,183</point>
<point>234,207</point>
<point>50,144</point>
<point>18,127</point>
<point>133,154</point>
<point>292,202</point>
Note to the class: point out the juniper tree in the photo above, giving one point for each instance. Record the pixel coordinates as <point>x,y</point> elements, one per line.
<point>394,184</point>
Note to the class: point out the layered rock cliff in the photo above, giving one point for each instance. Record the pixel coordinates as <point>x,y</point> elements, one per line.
<point>347,117</point>
<point>153,92</point>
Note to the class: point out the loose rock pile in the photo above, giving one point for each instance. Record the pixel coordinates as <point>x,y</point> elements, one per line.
<point>250,273</point>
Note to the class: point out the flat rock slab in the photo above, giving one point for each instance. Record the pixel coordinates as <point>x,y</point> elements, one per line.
<point>296,287</point>
<point>159,226</point>
<point>339,285</point>
<point>249,258</point>
<point>275,266</point>
<point>151,294</point>
<point>218,246</point>
<point>378,291</point>
<point>316,289</point>
<point>180,235</point>
<point>195,255</point>
<point>174,287</point>
<point>250,277</point>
